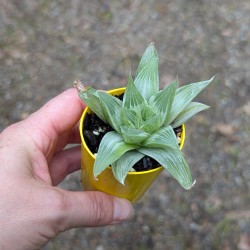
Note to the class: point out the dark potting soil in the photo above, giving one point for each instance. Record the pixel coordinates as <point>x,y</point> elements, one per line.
<point>95,129</point>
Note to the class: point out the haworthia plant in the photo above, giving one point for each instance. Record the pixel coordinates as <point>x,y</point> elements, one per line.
<point>144,121</point>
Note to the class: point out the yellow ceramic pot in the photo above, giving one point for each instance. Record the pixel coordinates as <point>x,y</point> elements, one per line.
<point>136,183</point>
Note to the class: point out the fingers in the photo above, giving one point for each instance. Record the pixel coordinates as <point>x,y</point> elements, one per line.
<point>73,137</point>
<point>55,119</point>
<point>81,209</point>
<point>64,163</point>
<point>62,112</point>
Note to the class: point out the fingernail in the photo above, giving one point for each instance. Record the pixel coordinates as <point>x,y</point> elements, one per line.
<point>122,210</point>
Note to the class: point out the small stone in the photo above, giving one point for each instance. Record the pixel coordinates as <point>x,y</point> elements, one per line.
<point>96,133</point>
<point>99,247</point>
<point>179,140</point>
<point>90,137</point>
<point>24,115</point>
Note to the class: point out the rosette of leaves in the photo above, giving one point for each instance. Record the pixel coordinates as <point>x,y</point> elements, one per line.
<point>143,121</point>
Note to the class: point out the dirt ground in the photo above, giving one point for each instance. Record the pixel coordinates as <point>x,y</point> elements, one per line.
<point>45,45</point>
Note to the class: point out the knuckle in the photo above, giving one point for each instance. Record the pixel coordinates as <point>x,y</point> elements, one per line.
<point>60,210</point>
<point>10,131</point>
<point>101,210</point>
<point>59,201</point>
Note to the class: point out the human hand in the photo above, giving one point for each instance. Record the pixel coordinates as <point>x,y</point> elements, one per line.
<point>33,161</point>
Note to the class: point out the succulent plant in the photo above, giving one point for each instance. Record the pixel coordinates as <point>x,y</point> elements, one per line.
<point>144,121</point>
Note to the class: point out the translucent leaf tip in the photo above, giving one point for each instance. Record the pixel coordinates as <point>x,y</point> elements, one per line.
<point>80,86</point>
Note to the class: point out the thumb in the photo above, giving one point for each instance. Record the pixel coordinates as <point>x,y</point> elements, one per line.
<point>92,208</point>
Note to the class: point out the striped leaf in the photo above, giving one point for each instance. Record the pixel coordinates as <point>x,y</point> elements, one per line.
<point>190,110</point>
<point>147,79</point>
<point>124,164</point>
<point>184,95</point>
<point>133,135</point>
<point>111,148</point>
<point>151,124</point>
<point>132,98</point>
<point>162,101</point>
<point>111,107</point>
<point>174,162</point>
<point>128,117</point>
<point>147,55</point>
<point>164,138</point>
<point>90,97</point>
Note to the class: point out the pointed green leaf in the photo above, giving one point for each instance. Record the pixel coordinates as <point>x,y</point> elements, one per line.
<point>184,95</point>
<point>162,101</point>
<point>174,162</point>
<point>128,117</point>
<point>148,120</point>
<point>190,110</point>
<point>163,138</point>
<point>147,55</point>
<point>146,112</point>
<point>111,107</point>
<point>151,124</point>
<point>111,148</point>
<point>125,163</point>
<point>131,118</point>
<point>90,97</point>
<point>147,79</point>
<point>132,98</point>
<point>133,135</point>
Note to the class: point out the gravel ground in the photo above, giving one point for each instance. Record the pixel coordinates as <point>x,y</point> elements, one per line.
<point>46,45</point>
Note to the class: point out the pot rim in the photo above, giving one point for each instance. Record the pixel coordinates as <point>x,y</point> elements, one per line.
<point>88,110</point>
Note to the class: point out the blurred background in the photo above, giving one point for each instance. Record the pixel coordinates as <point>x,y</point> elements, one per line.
<point>45,45</point>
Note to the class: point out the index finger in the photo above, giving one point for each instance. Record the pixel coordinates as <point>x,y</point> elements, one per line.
<point>56,118</point>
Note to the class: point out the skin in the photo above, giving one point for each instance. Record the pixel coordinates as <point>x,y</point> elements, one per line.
<point>33,162</point>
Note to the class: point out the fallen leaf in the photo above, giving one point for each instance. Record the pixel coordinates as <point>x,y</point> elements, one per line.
<point>246,108</point>
<point>224,129</point>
